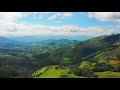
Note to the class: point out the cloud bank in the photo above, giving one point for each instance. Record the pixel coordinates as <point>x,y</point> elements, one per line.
<point>33,30</point>
<point>8,25</point>
<point>105,16</point>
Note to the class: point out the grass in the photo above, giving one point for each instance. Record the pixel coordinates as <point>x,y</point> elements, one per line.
<point>86,64</point>
<point>75,76</point>
<point>108,74</point>
<point>66,61</point>
<point>40,71</point>
<point>54,71</point>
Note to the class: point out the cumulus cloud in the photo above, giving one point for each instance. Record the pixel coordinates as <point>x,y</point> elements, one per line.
<point>8,26</point>
<point>67,14</point>
<point>11,16</point>
<point>24,29</point>
<point>105,16</point>
<point>54,16</point>
<point>60,15</point>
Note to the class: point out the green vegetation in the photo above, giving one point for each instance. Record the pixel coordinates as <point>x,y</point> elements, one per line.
<point>94,58</point>
<point>20,58</point>
<point>66,61</point>
<point>108,74</point>
<point>86,64</point>
<point>55,72</point>
<point>104,56</point>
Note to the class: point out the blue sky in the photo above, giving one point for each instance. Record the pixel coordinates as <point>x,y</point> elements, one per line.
<point>77,18</point>
<point>84,24</point>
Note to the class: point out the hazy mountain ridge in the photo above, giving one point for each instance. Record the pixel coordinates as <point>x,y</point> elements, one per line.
<point>29,42</point>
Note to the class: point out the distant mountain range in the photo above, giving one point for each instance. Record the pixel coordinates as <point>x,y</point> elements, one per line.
<point>6,43</point>
<point>43,38</point>
<point>33,42</point>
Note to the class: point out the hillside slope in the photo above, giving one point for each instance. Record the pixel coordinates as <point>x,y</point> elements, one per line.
<point>87,50</point>
<point>55,71</point>
<point>95,55</point>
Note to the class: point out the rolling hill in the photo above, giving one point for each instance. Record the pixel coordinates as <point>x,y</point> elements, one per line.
<point>19,60</point>
<point>55,71</point>
<point>95,55</point>
<point>93,58</point>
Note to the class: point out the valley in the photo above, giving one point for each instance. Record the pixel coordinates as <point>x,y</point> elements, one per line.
<point>93,58</point>
<point>59,45</point>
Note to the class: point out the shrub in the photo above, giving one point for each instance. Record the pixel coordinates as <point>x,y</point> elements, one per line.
<point>87,72</point>
<point>56,67</point>
<point>77,71</point>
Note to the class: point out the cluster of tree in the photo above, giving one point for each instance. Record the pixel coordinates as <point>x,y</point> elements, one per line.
<point>89,68</point>
<point>14,66</point>
<point>83,72</point>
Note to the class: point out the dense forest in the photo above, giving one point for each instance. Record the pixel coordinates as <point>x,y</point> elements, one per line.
<point>29,57</point>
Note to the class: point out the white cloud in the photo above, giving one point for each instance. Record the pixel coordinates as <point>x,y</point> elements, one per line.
<point>54,16</point>
<point>105,16</point>
<point>8,26</point>
<point>67,14</point>
<point>39,15</point>
<point>24,29</point>
<point>60,15</point>
<point>11,16</point>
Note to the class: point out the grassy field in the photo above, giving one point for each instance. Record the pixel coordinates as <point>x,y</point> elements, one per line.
<point>108,74</point>
<point>54,72</point>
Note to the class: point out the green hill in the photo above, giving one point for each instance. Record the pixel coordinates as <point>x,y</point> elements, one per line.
<point>55,71</point>
<point>99,55</point>
<point>93,49</point>
<point>61,58</point>
<point>108,74</point>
